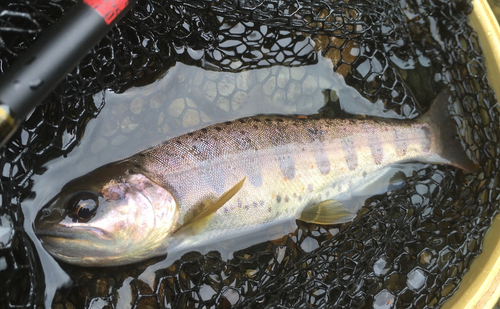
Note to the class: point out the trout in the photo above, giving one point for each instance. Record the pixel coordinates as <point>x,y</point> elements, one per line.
<point>237,177</point>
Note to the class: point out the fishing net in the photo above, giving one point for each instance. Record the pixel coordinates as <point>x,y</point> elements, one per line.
<point>409,247</point>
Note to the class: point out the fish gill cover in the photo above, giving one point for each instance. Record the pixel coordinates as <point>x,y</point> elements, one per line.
<point>408,248</point>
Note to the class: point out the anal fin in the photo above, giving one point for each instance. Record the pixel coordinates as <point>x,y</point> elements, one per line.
<point>327,212</point>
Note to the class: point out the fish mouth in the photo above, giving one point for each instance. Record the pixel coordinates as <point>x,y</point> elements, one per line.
<point>75,233</point>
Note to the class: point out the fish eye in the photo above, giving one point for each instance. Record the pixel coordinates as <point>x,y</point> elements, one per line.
<point>84,206</point>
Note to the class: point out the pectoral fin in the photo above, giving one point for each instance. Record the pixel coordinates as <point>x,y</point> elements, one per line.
<point>327,212</point>
<point>200,220</point>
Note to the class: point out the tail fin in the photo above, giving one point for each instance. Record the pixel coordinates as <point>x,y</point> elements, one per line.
<point>448,145</point>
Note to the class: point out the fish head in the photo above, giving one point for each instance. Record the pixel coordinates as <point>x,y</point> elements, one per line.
<point>114,215</point>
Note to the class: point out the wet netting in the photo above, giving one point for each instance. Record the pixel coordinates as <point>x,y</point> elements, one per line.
<point>409,247</point>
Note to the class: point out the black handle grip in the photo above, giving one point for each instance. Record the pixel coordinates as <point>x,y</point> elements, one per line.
<point>58,50</point>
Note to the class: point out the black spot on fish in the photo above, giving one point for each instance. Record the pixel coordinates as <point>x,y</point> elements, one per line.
<point>226,210</point>
<point>228,123</point>
<point>204,130</point>
<point>247,207</point>
<point>190,134</point>
<point>261,202</point>
<point>310,188</point>
<point>278,198</point>
<point>178,142</point>
<point>218,128</point>
<point>241,120</point>
<point>240,203</point>
<point>313,133</point>
<point>280,120</point>
<point>254,204</point>
<point>257,120</point>
<point>256,127</point>
<point>269,209</point>
<point>286,198</point>
<point>268,119</point>
<point>243,132</point>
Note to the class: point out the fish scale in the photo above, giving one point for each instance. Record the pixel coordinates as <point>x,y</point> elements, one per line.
<point>278,145</point>
<point>238,177</point>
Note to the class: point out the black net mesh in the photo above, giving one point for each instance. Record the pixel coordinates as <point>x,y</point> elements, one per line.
<point>407,248</point>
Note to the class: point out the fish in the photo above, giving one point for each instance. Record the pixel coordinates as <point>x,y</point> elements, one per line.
<point>237,177</point>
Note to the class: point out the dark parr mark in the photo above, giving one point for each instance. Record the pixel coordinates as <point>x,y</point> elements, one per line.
<point>426,147</point>
<point>376,149</point>
<point>287,165</point>
<point>280,139</point>
<point>216,179</point>
<point>322,159</point>
<point>351,157</point>
<point>212,175</point>
<point>250,161</point>
<point>317,138</point>
<point>400,142</point>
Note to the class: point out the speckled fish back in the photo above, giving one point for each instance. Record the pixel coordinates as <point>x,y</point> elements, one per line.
<point>288,163</point>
